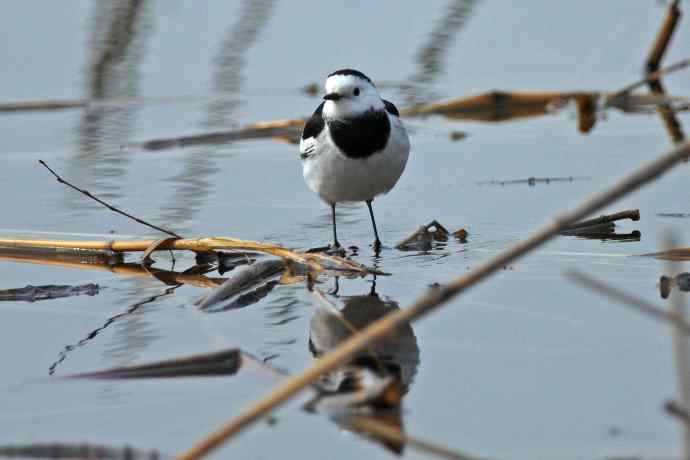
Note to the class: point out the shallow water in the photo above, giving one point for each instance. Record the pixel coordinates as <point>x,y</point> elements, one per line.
<point>526,365</point>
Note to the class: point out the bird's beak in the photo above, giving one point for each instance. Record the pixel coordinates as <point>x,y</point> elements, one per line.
<point>332,97</point>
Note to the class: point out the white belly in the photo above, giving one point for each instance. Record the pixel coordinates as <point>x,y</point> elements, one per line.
<point>335,177</point>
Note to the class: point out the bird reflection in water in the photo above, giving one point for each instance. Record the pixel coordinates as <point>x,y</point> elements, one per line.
<point>370,388</point>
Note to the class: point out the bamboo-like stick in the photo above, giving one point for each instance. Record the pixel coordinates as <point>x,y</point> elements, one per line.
<point>654,58</point>
<point>316,261</point>
<point>663,38</point>
<point>431,301</point>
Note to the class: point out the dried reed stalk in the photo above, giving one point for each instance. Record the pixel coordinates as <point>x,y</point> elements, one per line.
<point>431,301</point>
<point>316,261</point>
<point>632,214</point>
<point>670,254</point>
<point>656,54</point>
<point>663,38</point>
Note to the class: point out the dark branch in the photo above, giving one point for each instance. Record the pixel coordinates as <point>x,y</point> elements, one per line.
<point>112,208</point>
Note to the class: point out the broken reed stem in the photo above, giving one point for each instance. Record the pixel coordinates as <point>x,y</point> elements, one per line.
<point>369,425</point>
<point>109,206</point>
<point>429,302</point>
<point>663,38</point>
<point>630,300</point>
<point>656,54</point>
<point>680,348</point>
<point>315,260</point>
<point>632,214</point>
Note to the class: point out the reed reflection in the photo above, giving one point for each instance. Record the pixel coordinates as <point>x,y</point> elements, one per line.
<point>117,44</point>
<point>194,183</point>
<point>430,58</point>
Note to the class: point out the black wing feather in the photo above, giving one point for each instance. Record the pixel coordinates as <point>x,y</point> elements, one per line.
<point>315,124</point>
<point>391,108</point>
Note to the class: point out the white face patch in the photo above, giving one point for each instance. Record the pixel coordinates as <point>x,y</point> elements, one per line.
<point>357,96</point>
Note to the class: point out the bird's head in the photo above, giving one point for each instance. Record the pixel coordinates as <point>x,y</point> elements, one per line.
<point>350,93</point>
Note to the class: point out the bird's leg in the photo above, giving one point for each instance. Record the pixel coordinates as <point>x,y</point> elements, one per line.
<point>377,242</point>
<point>336,244</point>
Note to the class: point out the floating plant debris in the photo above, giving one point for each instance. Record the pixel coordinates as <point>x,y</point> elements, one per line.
<point>461,235</point>
<point>66,451</point>
<point>603,227</point>
<point>226,362</point>
<point>681,281</point>
<point>422,239</point>
<point>531,181</point>
<point>49,291</point>
<point>494,106</point>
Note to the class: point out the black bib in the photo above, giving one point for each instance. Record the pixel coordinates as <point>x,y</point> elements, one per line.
<point>363,136</point>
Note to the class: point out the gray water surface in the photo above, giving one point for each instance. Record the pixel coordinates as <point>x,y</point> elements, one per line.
<point>526,365</point>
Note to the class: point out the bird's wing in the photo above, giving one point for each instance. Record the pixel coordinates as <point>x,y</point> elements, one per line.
<point>312,129</point>
<point>391,108</point>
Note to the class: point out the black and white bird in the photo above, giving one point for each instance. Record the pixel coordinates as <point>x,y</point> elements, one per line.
<point>354,147</point>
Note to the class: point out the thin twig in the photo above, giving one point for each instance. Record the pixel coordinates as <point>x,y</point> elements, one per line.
<point>431,301</point>
<point>656,75</point>
<point>111,207</point>
<point>628,299</point>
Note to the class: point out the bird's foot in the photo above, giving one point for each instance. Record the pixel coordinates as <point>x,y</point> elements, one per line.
<point>336,249</point>
<point>332,250</point>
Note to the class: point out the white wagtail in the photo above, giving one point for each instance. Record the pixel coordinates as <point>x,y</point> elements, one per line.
<point>354,147</point>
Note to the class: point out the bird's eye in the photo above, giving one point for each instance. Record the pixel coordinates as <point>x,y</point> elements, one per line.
<point>356,92</point>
